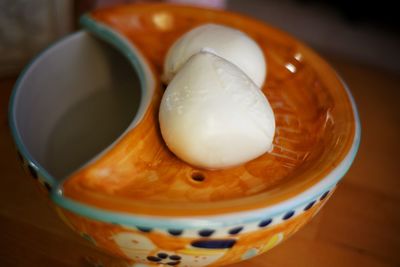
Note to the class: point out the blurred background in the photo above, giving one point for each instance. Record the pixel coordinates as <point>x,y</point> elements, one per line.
<point>361,223</point>
<point>361,31</point>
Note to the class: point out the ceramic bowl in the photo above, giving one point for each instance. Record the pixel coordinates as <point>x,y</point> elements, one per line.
<point>84,119</point>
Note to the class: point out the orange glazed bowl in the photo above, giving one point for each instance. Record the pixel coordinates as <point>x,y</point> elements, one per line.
<point>127,193</point>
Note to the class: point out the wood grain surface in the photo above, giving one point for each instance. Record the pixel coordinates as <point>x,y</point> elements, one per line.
<point>359,226</point>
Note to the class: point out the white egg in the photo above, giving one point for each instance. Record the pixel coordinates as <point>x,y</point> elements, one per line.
<point>213,116</point>
<point>228,43</point>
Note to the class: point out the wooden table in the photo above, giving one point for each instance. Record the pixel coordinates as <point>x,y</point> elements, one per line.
<point>359,226</point>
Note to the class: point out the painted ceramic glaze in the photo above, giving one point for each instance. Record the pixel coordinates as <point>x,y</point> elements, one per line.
<point>207,246</point>
<point>139,202</point>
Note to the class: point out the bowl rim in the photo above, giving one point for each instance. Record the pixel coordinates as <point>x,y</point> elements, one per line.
<point>191,221</point>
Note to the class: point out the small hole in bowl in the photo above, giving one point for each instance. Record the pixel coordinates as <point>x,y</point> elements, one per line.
<point>198,177</point>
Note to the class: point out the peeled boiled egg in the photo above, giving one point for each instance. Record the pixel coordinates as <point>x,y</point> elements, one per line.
<point>228,43</point>
<point>213,116</point>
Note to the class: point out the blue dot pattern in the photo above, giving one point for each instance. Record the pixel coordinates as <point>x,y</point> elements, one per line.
<point>324,195</point>
<point>309,206</point>
<point>206,232</point>
<point>265,223</point>
<point>288,215</point>
<point>236,230</point>
<point>175,232</point>
<point>144,229</point>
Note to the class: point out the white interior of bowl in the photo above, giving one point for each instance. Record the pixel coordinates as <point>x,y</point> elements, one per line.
<point>73,101</point>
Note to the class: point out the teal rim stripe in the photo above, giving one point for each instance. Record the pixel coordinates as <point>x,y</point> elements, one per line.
<point>184,223</point>
<point>112,37</point>
<point>12,116</point>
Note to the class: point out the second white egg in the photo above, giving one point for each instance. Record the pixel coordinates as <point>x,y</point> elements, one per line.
<point>231,44</point>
